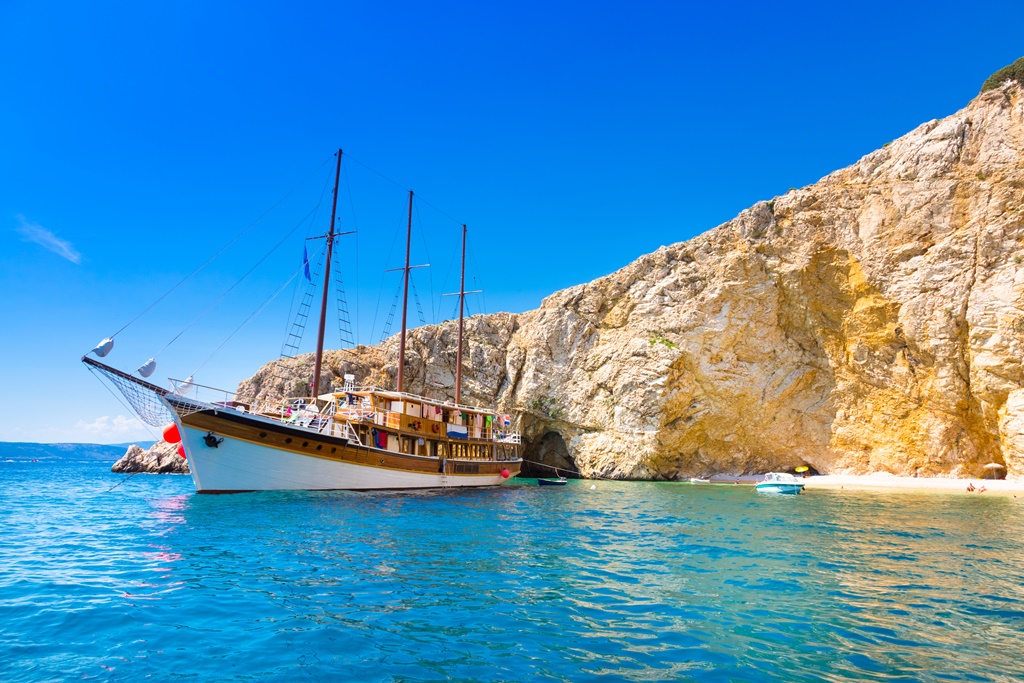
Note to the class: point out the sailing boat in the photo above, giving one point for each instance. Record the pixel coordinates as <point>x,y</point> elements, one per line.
<point>359,438</point>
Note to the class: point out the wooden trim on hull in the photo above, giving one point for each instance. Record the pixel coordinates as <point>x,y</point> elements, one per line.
<point>262,438</point>
<point>231,424</point>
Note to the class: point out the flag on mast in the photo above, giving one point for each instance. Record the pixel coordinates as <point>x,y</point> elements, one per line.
<point>305,263</point>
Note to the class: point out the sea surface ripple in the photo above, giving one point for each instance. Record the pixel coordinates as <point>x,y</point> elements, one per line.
<point>593,581</point>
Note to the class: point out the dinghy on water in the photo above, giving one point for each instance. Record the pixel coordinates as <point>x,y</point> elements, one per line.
<point>780,482</point>
<point>561,481</point>
<point>358,438</point>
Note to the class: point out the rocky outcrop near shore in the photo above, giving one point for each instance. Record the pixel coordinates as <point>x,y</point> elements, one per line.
<point>871,322</point>
<point>161,458</point>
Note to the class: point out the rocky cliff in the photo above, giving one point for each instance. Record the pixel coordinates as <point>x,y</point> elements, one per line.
<point>873,321</point>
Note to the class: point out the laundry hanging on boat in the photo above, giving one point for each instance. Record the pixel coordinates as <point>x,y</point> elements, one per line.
<point>458,432</point>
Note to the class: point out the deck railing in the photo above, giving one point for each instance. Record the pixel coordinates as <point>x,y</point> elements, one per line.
<point>321,416</point>
<point>394,420</point>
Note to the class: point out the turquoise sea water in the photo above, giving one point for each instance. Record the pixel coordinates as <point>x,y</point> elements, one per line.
<point>626,581</point>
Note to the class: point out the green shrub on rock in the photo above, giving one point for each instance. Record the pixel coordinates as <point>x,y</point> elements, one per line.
<point>1014,72</point>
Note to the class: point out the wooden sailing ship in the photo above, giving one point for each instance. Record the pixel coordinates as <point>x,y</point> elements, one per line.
<point>356,438</point>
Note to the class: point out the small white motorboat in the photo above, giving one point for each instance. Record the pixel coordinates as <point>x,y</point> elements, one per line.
<point>780,482</point>
<point>699,480</point>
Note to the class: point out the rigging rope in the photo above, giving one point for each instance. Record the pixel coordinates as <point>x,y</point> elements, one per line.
<point>391,316</point>
<point>101,377</point>
<point>355,226</point>
<point>222,250</point>
<point>246,321</point>
<point>430,272</point>
<point>399,185</point>
<point>296,329</point>
<point>444,286</point>
<point>416,298</point>
<point>345,335</point>
<point>298,288</point>
<point>383,277</point>
<point>237,282</point>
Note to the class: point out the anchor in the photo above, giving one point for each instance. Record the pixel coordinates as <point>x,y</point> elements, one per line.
<point>211,440</point>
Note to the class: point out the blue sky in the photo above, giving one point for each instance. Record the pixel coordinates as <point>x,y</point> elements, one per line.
<point>139,138</point>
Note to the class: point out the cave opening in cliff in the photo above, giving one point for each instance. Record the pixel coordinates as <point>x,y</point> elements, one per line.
<point>548,457</point>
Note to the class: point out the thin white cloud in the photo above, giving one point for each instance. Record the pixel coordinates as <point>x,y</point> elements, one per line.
<point>33,232</point>
<point>110,428</point>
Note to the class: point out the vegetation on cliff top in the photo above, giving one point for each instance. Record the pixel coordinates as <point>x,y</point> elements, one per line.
<point>1014,72</point>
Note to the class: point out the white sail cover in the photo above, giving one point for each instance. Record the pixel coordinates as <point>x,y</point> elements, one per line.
<point>147,368</point>
<point>184,387</point>
<point>103,348</point>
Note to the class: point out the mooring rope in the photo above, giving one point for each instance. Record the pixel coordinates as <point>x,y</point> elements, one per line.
<point>575,473</point>
<point>122,481</point>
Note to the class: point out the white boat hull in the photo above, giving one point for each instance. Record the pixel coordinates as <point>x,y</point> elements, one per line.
<point>236,465</point>
<point>780,488</point>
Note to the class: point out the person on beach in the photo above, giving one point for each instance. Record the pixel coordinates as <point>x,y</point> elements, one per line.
<point>970,487</point>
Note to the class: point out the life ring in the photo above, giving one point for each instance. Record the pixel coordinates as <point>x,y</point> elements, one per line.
<point>434,428</point>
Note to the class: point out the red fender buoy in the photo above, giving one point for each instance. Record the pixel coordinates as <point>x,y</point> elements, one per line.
<point>171,434</point>
<point>181,450</point>
<point>505,474</point>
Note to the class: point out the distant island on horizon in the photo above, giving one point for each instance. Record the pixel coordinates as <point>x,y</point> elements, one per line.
<point>30,450</point>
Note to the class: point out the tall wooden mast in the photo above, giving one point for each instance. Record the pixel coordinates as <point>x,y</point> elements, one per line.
<point>462,306</point>
<point>462,300</point>
<point>318,360</point>
<point>405,297</point>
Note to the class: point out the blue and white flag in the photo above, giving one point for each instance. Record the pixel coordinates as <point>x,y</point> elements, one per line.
<point>458,432</point>
<point>305,263</point>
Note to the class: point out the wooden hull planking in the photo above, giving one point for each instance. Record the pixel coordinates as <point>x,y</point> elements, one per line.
<point>260,454</point>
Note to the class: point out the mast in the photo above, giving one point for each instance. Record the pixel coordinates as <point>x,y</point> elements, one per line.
<point>318,360</point>
<point>405,297</point>
<point>462,300</point>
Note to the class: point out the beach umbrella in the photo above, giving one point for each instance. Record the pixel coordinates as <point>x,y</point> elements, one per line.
<point>994,466</point>
<point>802,468</point>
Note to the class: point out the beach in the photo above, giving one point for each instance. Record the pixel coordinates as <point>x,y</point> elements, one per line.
<point>891,482</point>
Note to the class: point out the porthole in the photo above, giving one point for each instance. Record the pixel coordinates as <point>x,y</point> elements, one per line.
<point>333,449</point>
<point>288,440</point>
<point>305,443</point>
<point>319,446</point>
<point>263,435</point>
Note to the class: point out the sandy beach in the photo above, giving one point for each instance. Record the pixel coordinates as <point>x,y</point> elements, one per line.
<point>931,484</point>
<point>882,481</point>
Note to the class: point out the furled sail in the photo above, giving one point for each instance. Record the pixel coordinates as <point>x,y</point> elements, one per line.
<point>103,348</point>
<point>147,368</point>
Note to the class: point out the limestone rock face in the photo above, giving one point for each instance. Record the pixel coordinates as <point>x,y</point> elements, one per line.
<point>162,458</point>
<point>871,322</point>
